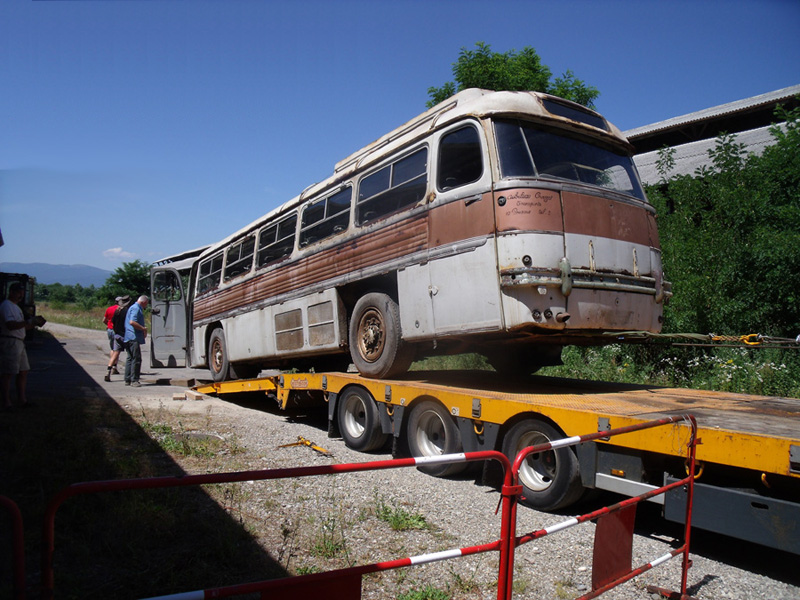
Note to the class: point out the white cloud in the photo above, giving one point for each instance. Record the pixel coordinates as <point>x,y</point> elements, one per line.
<point>117,254</point>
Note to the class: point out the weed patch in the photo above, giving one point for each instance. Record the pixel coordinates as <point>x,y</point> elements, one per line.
<point>399,519</point>
<point>428,592</point>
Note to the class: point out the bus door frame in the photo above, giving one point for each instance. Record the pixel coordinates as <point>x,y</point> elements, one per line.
<point>169,335</point>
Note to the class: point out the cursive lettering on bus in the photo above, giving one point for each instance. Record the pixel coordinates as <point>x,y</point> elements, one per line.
<point>519,195</point>
<point>526,203</point>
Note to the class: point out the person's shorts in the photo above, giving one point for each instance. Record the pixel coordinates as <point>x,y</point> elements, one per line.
<point>118,345</point>
<point>110,333</point>
<point>13,358</point>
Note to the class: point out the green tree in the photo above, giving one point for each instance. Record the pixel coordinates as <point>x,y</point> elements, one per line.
<point>512,70</point>
<point>731,238</point>
<point>132,279</point>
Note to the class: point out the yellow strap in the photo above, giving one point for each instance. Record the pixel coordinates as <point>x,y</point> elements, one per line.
<point>301,441</point>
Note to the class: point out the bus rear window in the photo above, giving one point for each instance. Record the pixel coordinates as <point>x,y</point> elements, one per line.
<point>460,159</point>
<point>529,151</point>
<point>575,114</point>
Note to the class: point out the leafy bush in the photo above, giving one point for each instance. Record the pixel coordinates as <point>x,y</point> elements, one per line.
<point>730,237</point>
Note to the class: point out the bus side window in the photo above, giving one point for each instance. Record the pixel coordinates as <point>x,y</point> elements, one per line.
<point>326,217</point>
<point>276,241</point>
<point>399,185</point>
<point>208,277</point>
<point>460,159</point>
<point>239,258</point>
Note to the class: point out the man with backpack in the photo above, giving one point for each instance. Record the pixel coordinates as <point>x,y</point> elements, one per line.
<point>117,324</point>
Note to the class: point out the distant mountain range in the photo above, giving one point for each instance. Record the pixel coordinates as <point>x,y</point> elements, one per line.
<point>63,274</point>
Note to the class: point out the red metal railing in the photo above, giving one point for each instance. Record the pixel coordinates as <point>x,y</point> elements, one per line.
<point>349,580</point>
<point>17,548</point>
<point>503,545</point>
<point>604,584</point>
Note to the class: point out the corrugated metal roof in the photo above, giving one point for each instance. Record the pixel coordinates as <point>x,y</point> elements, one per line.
<point>689,157</point>
<point>715,111</point>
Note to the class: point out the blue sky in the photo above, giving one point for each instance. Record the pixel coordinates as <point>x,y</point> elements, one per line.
<point>137,129</point>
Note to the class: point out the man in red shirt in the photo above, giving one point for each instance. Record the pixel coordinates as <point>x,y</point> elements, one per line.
<point>108,318</point>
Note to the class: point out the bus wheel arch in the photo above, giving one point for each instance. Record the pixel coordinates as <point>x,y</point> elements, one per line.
<point>358,420</point>
<point>432,431</point>
<point>375,337</point>
<point>550,480</point>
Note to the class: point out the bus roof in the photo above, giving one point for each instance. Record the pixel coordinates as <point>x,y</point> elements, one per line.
<point>472,102</point>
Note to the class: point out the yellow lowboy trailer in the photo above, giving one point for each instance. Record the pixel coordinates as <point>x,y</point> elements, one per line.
<point>748,480</point>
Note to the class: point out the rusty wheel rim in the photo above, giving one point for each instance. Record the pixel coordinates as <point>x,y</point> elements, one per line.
<point>371,335</point>
<point>216,356</point>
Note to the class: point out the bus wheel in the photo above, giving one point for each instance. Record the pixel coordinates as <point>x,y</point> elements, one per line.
<point>359,422</point>
<point>433,432</point>
<point>218,356</point>
<point>550,480</point>
<point>375,344</point>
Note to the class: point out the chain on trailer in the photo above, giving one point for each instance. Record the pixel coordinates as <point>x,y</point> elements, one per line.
<point>709,340</point>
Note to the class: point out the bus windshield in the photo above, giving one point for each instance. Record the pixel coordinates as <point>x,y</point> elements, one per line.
<point>529,151</point>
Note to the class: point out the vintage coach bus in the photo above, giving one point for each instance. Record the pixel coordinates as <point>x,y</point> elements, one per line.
<point>507,223</point>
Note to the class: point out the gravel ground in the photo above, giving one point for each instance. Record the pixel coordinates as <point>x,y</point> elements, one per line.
<point>327,522</point>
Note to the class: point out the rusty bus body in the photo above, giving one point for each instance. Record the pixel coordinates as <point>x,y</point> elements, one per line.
<point>507,223</point>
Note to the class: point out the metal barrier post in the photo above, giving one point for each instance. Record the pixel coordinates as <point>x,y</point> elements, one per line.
<point>17,548</point>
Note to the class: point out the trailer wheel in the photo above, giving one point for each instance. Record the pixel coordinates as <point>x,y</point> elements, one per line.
<point>359,422</point>
<point>550,480</point>
<point>374,337</point>
<point>218,362</point>
<point>433,432</point>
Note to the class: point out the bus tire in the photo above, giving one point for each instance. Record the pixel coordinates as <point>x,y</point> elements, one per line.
<point>218,362</point>
<point>375,343</point>
<point>550,480</point>
<point>433,432</point>
<point>359,422</point>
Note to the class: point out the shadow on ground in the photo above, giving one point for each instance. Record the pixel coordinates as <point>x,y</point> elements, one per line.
<point>114,545</point>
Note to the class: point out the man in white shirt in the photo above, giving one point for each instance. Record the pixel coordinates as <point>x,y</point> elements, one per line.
<point>13,358</point>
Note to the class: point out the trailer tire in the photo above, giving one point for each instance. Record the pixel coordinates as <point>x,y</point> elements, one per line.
<point>218,362</point>
<point>433,432</point>
<point>359,421</point>
<point>376,345</point>
<point>550,480</point>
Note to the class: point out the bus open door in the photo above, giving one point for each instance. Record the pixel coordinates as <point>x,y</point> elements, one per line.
<point>169,339</point>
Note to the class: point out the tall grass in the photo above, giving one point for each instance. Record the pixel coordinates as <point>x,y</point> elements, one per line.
<point>72,314</point>
<point>763,371</point>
